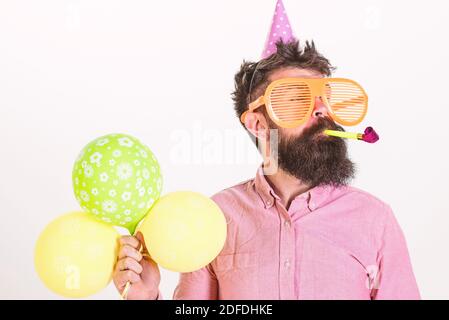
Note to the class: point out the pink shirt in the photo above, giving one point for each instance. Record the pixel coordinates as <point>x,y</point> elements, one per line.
<point>332,243</point>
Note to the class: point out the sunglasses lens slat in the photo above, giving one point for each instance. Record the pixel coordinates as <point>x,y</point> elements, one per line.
<point>290,102</point>
<point>347,101</point>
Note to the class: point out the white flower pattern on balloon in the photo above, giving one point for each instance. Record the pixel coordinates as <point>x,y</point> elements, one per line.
<point>84,195</point>
<point>109,206</point>
<point>142,191</point>
<point>145,174</point>
<point>102,142</point>
<point>96,158</point>
<point>116,153</point>
<point>104,177</point>
<point>138,183</point>
<point>88,171</point>
<point>124,171</point>
<point>94,191</point>
<point>143,153</point>
<point>126,196</point>
<point>125,142</point>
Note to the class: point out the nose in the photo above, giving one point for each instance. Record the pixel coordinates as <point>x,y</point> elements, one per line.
<point>320,109</point>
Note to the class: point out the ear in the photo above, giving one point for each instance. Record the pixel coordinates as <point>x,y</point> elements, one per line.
<point>256,123</point>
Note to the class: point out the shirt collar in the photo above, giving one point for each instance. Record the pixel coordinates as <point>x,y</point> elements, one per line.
<point>315,197</point>
<point>264,189</point>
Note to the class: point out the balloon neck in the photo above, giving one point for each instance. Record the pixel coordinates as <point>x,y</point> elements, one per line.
<point>132,228</point>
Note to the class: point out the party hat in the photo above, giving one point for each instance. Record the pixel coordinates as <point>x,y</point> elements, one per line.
<point>280,29</point>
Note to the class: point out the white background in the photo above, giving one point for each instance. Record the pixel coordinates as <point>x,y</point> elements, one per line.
<point>160,70</point>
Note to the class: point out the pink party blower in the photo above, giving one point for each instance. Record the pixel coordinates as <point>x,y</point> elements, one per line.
<point>369,136</point>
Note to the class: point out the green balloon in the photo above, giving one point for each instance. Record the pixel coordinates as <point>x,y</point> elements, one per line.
<point>117,179</point>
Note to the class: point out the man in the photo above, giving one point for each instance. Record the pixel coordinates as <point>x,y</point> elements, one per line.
<point>299,231</point>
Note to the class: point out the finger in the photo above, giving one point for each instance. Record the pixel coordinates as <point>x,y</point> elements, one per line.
<point>129,264</point>
<point>141,239</point>
<point>128,251</point>
<point>124,276</point>
<point>130,241</point>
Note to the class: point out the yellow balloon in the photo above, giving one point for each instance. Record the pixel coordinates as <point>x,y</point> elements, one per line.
<point>184,231</point>
<point>75,255</point>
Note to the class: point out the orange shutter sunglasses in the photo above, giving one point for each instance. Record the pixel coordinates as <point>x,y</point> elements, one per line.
<point>290,102</point>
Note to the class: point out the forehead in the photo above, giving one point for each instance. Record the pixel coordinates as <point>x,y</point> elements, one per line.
<point>293,72</point>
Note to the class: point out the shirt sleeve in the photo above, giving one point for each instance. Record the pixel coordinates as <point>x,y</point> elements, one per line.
<point>198,285</point>
<point>395,279</point>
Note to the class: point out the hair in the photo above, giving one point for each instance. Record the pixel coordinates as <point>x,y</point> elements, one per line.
<point>253,76</point>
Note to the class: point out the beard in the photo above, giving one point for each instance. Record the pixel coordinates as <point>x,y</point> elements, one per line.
<point>316,159</point>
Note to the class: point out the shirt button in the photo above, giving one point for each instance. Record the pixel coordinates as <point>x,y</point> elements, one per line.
<point>269,203</point>
<point>287,263</point>
<point>287,223</point>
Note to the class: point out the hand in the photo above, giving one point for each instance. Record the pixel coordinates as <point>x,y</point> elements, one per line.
<point>138,268</point>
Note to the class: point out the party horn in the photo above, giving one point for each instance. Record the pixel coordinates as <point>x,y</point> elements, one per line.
<point>369,136</point>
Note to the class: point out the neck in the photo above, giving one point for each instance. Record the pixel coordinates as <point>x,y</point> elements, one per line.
<point>286,186</point>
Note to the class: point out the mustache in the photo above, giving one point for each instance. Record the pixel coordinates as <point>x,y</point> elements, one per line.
<point>324,123</point>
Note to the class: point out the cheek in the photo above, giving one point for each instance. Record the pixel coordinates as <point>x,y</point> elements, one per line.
<point>293,132</point>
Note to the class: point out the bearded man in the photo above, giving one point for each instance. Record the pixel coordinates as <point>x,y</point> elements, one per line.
<point>297,230</point>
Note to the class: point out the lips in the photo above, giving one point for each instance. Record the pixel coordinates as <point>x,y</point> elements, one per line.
<point>315,130</point>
